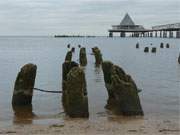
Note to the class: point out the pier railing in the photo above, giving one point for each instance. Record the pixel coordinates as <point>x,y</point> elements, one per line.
<point>167,26</point>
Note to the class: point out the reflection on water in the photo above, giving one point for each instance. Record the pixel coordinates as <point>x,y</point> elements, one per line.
<point>97,74</point>
<point>23,114</point>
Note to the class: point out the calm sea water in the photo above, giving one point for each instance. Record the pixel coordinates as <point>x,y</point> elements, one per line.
<point>158,75</point>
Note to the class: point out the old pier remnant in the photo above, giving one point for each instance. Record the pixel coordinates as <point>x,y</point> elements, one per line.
<point>24,84</point>
<point>68,46</point>
<point>137,45</point>
<point>83,57</point>
<point>146,49</point>
<point>79,46</point>
<point>153,50</point>
<point>66,67</point>
<point>68,56</point>
<point>167,45</point>
<point>161,45</point>
<point>73,49</point>
<point>122,90</point>
<point>98,56</point>
<point>74,96</point>
<point>179,59</point>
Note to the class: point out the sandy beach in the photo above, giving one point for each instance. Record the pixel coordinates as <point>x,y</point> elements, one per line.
<point>104,126</point>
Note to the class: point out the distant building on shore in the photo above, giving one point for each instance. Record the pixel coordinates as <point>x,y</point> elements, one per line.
<point>127,25</point>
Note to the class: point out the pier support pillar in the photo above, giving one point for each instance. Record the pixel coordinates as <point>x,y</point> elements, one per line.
<point>143,34</point>
<point>160,34</point>
<point>151,34</point>
<point>178,34</point>
<point>155,33</point>
<point>164,34</point>
<point>122,34</point>
<point>170,34</point>
<point>110,34</point>
<point>148,34</point>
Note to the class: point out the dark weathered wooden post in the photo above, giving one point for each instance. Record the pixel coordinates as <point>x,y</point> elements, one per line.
<point>137,45</point>
<point>179,59</point>
<point>98,56</point>
<point>146,49</point>
<point>122,90</point>
<point>74,99</point>
<point>68,56</point>
<point>66,67</point>
<point>153,50</point>
<point>23,89</point>
<point>161,45</point>
<point>77,101</point>
<point>68,46</point>
<point>79,46</point>
<point>82,57</point>
<point>167,45</point>
<point>72,49</point>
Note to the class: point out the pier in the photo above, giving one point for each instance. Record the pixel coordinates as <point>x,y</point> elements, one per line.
<point>128,27</point>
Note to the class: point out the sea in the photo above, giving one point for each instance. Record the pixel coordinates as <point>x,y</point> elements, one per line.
<point>156,74</point>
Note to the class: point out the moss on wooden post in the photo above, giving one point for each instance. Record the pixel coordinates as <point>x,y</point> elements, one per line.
<point>122,90</point>
<point>68,56</point>
<point>23,89</point>
<point>68,46</point>
<point>98,56</point>
<point>76,98</point>
<point>72,49</point>
<point>82,57</point>
<point>66,67</point>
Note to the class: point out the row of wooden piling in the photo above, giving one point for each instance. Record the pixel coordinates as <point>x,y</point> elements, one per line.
<point>153,49</point>
<point>122,91</point>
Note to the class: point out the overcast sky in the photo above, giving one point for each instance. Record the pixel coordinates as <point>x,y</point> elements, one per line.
<point>93,17</point>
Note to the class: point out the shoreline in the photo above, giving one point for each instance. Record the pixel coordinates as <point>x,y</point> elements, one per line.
<point>102,125</point>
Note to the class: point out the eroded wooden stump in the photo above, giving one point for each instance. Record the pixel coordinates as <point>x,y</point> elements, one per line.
<point>82,57</point>
<point>98,56</point>
<point>161,45</point>
<point>153,50</point>
<point>167,45</point>
<point>66,67</point>
<point>76,101</point>
<point>122,91</point>
<point>137,45</point>
<point>24,84</point>
<point>68,56</point>
<point>146,49</point>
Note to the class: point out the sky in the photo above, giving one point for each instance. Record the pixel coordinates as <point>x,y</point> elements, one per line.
<point>84,17</point>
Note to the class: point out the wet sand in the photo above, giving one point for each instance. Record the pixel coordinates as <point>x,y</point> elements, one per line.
<point>113,126</point>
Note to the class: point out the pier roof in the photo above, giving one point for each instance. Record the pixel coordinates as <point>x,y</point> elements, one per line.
<point>127,20</point>
<point>127,25</point>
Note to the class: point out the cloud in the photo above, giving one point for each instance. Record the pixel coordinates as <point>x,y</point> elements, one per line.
<point>44,17</point>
